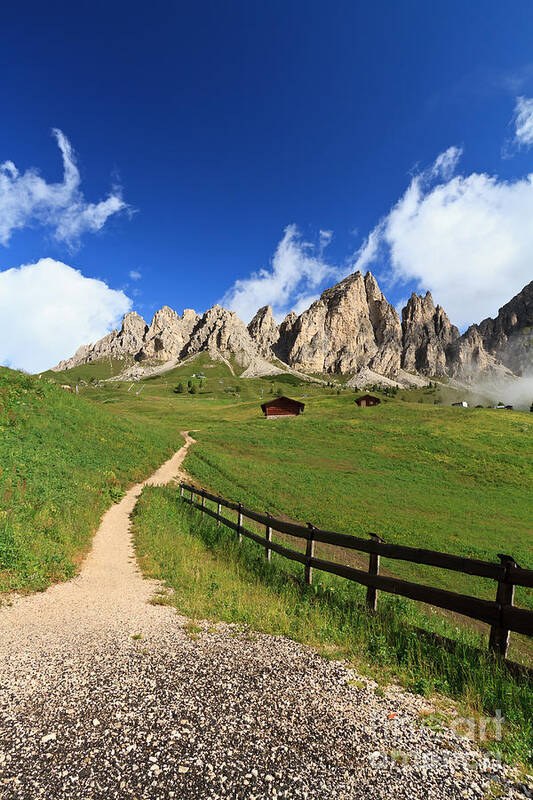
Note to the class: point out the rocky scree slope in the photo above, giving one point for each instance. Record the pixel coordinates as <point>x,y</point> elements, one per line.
<point>350,329</point>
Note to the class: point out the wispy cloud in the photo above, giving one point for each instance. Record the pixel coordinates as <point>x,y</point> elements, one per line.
<point>524,121</point>
<point>50,309</point>
<point>135,275</point>
<point>294,276</point>
<point>27,199</point>
<point>445,164</point>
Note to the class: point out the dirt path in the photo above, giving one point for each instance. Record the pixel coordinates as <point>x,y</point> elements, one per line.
<point>108,593</point>
<point>104,696</point>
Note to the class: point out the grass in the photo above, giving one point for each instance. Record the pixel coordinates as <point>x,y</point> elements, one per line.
<point>413,470</point>
<point>419,475</point>
<point>63,462</point>
<point>94,371</point>
<point>215,579</point>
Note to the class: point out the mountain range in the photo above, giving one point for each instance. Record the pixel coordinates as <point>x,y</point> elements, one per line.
<point>351,329</point>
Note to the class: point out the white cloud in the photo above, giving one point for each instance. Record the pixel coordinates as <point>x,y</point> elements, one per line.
<point>296,270</point>
<point>523,120</point>
<point>135,275</point>
<point>48,309</point>
<point>468,239</point>
<point>27,199</point>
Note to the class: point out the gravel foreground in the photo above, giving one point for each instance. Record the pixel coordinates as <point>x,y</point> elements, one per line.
<point>103,695</point>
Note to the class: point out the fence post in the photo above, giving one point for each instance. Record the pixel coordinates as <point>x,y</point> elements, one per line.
<point>203,502</point>
<point>219,505</point>
<point>309,553</point>
<point>239,523</point>
<point>268,535</point>
<point>181,490</point>
<point>192,495</point>
<point>499,634</point>
<point>373,569</point>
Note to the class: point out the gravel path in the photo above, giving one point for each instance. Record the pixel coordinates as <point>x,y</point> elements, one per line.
<point>103,695</point>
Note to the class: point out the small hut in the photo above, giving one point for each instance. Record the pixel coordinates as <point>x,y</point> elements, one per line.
<point>368,400</point>
<point>282,407</point>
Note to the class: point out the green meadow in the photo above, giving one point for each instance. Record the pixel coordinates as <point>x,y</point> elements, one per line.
<point>413,470</point>
<point>63,461</point>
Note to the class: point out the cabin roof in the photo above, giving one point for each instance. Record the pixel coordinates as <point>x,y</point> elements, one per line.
<point>282,399</point>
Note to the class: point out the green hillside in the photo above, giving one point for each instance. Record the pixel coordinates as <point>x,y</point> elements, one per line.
<point>63,462</point>
<point>95,371</point>
<point>414,470</point>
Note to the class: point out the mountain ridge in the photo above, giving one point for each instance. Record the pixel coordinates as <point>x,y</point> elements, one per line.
<point>349,329</point>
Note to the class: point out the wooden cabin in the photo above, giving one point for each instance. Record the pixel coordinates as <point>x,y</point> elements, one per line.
<point>367,400</point>
<point>282,407</point>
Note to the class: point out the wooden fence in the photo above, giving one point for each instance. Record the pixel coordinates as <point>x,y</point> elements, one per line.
<point>502,616</point>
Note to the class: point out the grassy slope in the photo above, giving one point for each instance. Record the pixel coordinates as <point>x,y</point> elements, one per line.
<point>416,473</point>
<point>428,476</point>
<point>63,462</point>
<point>95,371</point>
<point>456,480</point>
<point>214,578</point>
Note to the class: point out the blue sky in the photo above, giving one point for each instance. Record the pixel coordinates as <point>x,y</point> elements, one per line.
<point>206,130</point>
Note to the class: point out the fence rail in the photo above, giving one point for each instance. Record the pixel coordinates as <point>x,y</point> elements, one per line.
<point>501,614</point>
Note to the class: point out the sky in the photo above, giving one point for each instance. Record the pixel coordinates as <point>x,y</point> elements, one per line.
<point>252,153</point>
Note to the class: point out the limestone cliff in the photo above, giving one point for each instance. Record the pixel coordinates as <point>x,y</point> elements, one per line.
<point>427,334</point>
<point>168,334</point>
<point>509,337</point>
<point>349,327</point>
<point>264,331</point>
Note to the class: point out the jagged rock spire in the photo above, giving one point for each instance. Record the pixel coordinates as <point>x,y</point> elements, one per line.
<point>426,335</point>
<point>264,331</point>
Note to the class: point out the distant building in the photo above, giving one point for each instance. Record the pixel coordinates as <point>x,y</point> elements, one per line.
<point>282,407</point>
<point>463,404</point>
<point>368,400</point>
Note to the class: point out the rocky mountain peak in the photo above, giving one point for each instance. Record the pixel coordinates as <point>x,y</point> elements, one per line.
<point>166,337</point>
<point>264,331</point>
<point>189,316</point>
<point>350,329</point>
<point>467,357</point>
<point>164,316</point>
<point>350,326</point>
<point>426,334</point>
<point>133,322</point>
<point>220,331</point>
<point>509,336</point>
